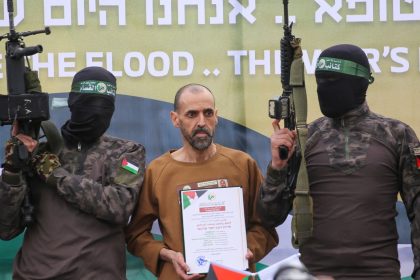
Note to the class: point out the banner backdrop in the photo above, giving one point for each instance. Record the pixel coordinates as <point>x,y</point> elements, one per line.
<point>154,47</point>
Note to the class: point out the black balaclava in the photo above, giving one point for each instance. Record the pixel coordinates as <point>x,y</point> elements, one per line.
<point>91,102</point>
<point>343,76</point>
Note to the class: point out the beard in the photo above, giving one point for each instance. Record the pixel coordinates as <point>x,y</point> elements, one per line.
<point>199,143</point>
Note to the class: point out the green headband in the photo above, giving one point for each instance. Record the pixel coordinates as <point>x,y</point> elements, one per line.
<point>94,87</point>
<point>343,66</point>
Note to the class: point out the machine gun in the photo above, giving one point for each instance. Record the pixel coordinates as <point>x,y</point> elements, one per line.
<point>291,107</point>
<point>25,103</point>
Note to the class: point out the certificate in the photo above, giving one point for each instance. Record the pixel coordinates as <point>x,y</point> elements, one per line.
<point>213,227</point>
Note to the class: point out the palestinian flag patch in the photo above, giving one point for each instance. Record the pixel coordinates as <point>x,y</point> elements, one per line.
<point>129,166</point>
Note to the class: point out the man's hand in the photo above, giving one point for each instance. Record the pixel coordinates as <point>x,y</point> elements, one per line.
<point>26,140</point>
<point>249,255</point>
<point>281,137</point>
<point>17,150</point>
<point>44,164</point>
<point>179,264</point>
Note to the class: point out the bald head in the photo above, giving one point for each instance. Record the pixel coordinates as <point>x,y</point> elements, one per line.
<point>192,88</point>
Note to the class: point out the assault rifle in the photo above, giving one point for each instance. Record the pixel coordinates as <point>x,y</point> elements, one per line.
<point>291,107</point>
<point>25,103</point>
<point>283,109</point>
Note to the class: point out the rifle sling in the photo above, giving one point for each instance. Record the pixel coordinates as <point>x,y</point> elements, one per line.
<point>302,224</point>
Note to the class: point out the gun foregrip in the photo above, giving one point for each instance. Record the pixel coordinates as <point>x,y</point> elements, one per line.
<point>283,152</point>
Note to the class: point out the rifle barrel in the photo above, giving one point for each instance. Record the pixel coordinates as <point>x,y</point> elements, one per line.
<point>286,12</point>
<point>10,11</point>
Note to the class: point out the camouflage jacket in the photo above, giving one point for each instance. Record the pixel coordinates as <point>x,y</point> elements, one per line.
<point>346,145</point>
<point>91,179</point>
<point>79,216</point>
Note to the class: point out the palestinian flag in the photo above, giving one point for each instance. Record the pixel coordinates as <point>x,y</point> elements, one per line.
<point>188,197</point>
<point>219,272</point>
<point>129,166</point>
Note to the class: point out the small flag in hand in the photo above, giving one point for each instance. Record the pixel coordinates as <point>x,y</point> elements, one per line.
<point>220,272</point>
<point>129,166</point>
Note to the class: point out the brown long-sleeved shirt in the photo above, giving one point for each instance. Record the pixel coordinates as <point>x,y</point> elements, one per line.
<point>159,200</point>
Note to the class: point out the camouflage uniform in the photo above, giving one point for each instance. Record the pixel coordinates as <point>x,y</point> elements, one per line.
<point>80,216</point>
<point>356,165</point>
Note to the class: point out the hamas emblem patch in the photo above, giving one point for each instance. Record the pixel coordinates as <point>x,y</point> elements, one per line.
<point>94,87</point>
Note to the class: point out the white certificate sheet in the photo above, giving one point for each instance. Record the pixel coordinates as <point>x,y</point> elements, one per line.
<point>213,228</point>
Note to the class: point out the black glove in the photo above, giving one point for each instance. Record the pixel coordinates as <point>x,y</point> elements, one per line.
<point>14,150</point>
